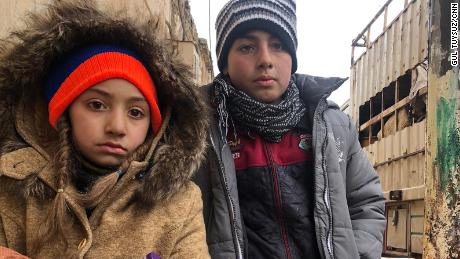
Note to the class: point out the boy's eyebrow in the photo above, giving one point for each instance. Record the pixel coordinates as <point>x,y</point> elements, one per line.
<point>248,37</point>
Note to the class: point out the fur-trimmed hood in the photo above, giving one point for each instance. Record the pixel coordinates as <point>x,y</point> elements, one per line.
<point>25,58</point>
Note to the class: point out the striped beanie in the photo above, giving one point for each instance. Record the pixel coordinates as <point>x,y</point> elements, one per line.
<point>81,69</point>
<point>237,17</point>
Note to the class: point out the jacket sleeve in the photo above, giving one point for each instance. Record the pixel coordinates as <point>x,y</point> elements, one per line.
<point>365,200</point>
<point>192,240</point>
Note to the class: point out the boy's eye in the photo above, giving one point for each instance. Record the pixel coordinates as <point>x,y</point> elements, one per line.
<point>136,113</point>
<point>246,48</point>
<point>96,105</point>
<point>277,46</point>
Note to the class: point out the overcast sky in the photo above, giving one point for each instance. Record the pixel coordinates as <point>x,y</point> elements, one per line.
<point>325,30</point>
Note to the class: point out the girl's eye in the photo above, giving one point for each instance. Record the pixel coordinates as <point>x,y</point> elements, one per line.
<point>136,113</point>
<point>96,105</point>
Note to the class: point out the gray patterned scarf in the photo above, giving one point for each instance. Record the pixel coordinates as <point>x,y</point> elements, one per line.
<point>270,121</point>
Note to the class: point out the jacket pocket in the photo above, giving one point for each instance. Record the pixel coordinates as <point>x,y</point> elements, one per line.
<point>21,163</point>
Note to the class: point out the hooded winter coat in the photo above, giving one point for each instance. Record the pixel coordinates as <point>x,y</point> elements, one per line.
<point>116,228</point>
<point>348,200</point>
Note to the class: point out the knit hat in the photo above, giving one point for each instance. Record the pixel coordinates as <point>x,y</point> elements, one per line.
<point>82,69</point>
<point>237,17</point>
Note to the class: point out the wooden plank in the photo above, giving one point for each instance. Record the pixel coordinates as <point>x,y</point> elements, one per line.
<point>404,144</point>
<point>364,76</point>
<point>397,233</point>
<point>421,168</point>
<point>390,51</point>
<point>409,194</point>
<point>389,174</point>
<point>381,77</point>
<point>404,172</point>
<point>399,179</point>
<point>413,139</point>
<point>370,74</point>
<point>396,138</point>
<point>390,110</point>
<point>388,147</point>
<point>414,171</point>
<point>417,225</point>
<point>376,66</point>
<point>385,113</point>
<point>417,207</point>
<point>384,58</point>
<point>397,40</point>
<point>415,34</point>
<point>424,30</point>
<point>391,160</point>
<point>381,120</point>
<point>360,84</point>
<point>416,244</point>
<point>406,39</point>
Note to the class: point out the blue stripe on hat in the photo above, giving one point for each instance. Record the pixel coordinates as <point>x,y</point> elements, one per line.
<point>66,65</point>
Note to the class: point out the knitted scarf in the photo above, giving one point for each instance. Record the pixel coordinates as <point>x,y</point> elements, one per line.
<point>270,121</point>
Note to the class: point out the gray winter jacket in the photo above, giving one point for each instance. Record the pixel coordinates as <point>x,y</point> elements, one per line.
<point>349,204</point>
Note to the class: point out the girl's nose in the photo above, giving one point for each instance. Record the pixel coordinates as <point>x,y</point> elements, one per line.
<point>116,123</point>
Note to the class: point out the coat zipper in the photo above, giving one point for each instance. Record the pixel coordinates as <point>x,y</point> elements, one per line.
<point>232,206</point>
<point>326,194</point>
<point>278,202</point>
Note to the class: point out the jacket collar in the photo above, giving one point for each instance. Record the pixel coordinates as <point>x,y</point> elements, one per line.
<point>313,88</point>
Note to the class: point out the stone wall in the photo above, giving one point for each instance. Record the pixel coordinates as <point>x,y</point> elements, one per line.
<point>172,18</point>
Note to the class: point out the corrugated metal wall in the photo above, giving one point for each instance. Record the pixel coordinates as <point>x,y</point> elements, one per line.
<point>406,173</point>
<point>403,45</point>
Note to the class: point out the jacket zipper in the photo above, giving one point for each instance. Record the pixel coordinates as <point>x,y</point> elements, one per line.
<point>326,194</point>
<point>277,197</point>
<point>230,200</point>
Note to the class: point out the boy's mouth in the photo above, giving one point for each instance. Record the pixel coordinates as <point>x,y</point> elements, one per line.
<point>265,80</point>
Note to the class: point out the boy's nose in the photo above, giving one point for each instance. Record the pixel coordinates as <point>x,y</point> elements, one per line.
<point>116,123</point>
<point>265,59</point>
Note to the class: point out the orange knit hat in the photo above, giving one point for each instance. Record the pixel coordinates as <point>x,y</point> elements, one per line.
<point>91,65</point>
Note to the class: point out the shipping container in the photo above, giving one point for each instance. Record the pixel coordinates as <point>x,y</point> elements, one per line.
<point>394,98</point>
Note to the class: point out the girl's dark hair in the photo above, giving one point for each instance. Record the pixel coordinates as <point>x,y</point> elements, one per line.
<point>59,218</point>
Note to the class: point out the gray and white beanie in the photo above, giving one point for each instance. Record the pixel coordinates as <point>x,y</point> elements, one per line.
<point>240,16</point>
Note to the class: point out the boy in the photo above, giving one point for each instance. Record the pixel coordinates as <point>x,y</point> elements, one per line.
<point>285,175</point>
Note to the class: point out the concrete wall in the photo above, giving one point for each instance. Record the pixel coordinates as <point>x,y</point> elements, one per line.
<point>172,18</point>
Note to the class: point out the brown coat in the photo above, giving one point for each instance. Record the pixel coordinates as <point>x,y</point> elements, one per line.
<point>174,227</point>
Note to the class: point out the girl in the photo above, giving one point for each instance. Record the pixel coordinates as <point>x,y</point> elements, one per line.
<point>100,136</point>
